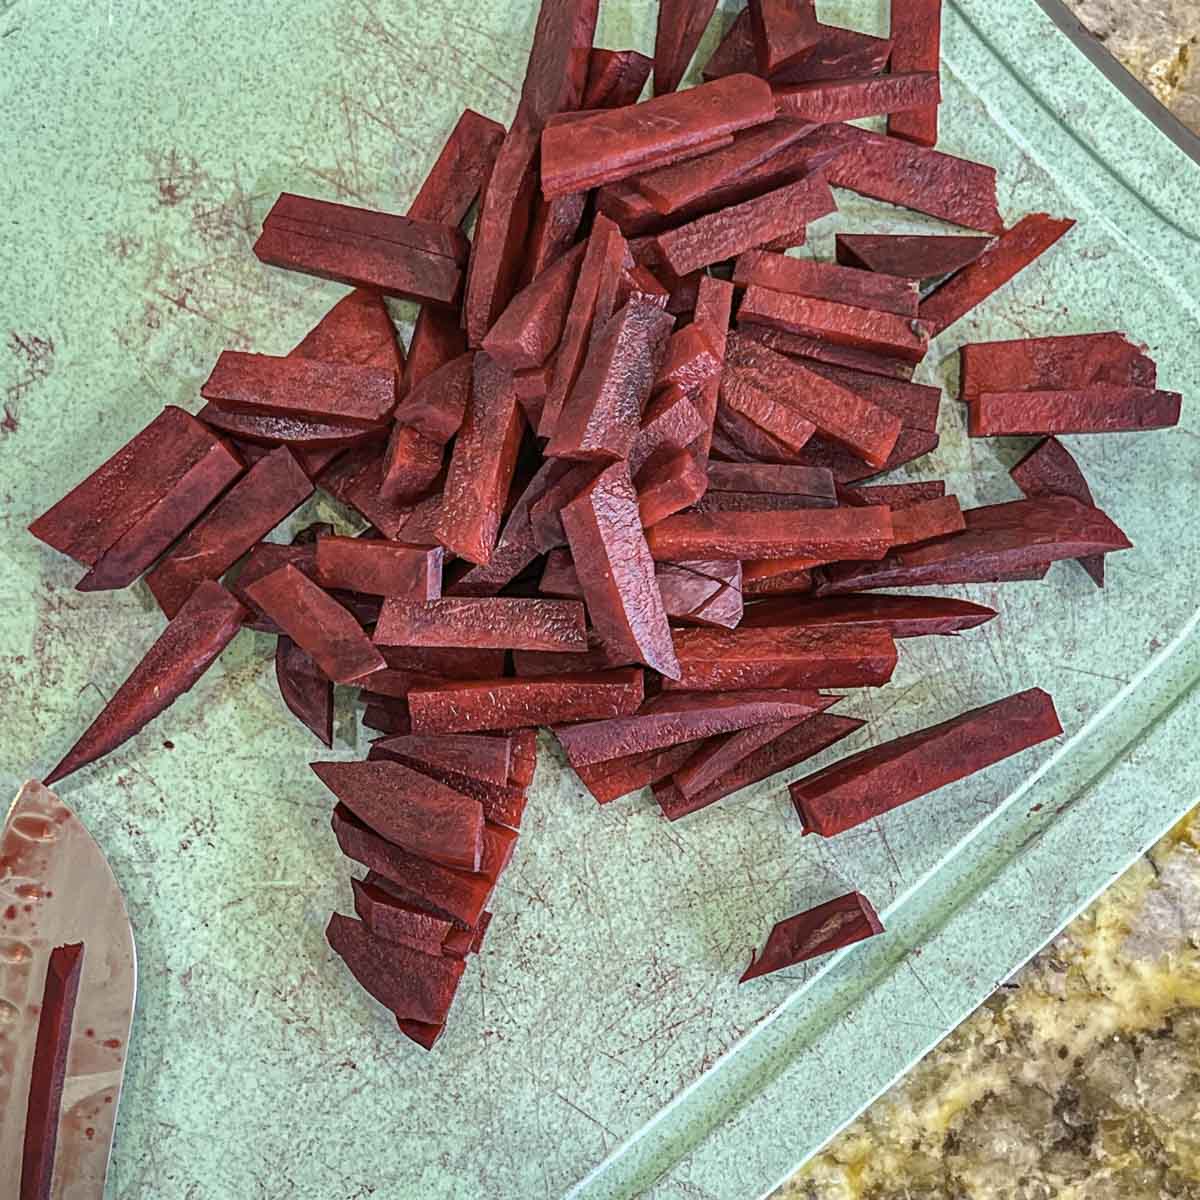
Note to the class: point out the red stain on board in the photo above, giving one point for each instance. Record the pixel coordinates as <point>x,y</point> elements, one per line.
<point>10,913</point>
<point>89,1133</point>
<point>89,1033</point>
<point>112,1043</point>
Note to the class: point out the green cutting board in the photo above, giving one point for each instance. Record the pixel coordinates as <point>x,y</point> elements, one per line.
<point>600,1046</point>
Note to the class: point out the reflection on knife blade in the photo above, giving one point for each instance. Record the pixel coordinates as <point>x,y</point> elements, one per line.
<point>56,890</point>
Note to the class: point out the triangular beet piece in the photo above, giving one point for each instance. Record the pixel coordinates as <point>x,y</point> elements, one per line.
<point>912,256</point>
<point>409,809</point>
<point>459,896</point>
<point>413,985</point>
<point>424,1034</point>
<point>389,918</point>
<point>357,329</point>
<point>818,931</point>
<point>305,688</point>
<point>486,759</point>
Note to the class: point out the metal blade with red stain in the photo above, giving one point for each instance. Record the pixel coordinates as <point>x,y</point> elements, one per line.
<point>57,889</point>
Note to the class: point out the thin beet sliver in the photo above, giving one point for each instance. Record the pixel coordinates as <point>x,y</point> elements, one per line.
<point>204,625</point>
<point>681,25</point>
<point>48,1071</point>
<point>826,100</point>
<point>615,78</point>
<point>305,688</point>
<point>483,622</point>
<point>827,281</point>
<point>901,616</point>
<point>913,256</point>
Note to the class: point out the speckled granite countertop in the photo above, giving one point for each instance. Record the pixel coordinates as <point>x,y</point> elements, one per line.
<point>1080,1078</point>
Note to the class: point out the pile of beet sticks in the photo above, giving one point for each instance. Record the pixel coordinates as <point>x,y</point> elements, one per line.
<point>613,487</point>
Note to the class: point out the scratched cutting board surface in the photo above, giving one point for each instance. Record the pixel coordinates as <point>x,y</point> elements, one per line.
<point>600,1046</point>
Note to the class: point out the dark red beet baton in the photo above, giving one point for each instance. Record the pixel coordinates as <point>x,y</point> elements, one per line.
<point>614,487</point>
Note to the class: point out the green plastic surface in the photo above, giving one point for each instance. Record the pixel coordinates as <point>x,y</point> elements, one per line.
<point>600,1046</point>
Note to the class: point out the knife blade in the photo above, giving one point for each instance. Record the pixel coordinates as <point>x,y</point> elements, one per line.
<point>57,891</point>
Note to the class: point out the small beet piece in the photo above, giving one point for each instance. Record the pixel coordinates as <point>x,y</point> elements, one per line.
<point>437,339</point>
<point>498,246</point>
<point>804,348</point>
<point>484,622</point>
<point>1011,253</point>
<point>109,503</point>
<point>615,78</point>
<point>729,660</point>
<point>204,625</point>
<point>482,465</point>
<point>411,466</point>
<point>894,495</point>
<point>927,181</point>
<point>528,330</point>
<point>790,583</point>
<point>926,519</point>
<point>681,25</point>
<point>414,986</point>
<point>460,170</point>
<point>163,520</point>
<point>317,623</point>
<point>301,387</point>
<point>827,534</point>
<point>783,31</point>
<point>616,571</point>
<point>674,717</point>
<point>305,688</point>
<point>910,445</point>
<point>827,281</point>
<point>517,546</point>
<point>669,485</point>
<point>515,703</point>
<point>1099,408</point>
<point>1050,470</point>
<point>714,301</point>
<point>691,360</point>
<point>1000,541</point>
<point>1054,364</point>
<point>613,144</point>
<point>911,256</point>
<point>915,404</point>
<point>731,231</point>
<point>719,755</point>
<point>449,663</point>
<point>770,479</point>
<point>673,188</point>
<point>499,843</point>
<point>615,777</point>
<point>48,1071</point>
<point>875,781</point>
<point>458,896</point>
<point>356,479</point>
<point>599,274</point>
<point>300,433</point>
<point>821,930</point>
<point>825,100</point>
<point>268,492</point>
<point>524,757</point>
<point>416,260</point>
<point>808,738</point>
<point>901,616</point>
<point>601,417</point>
<point>597,657</point>
<point>839,54</point>
<point>844,324</point>
<point>409,809</point>
<point>670,423</point>
<point>379,568</point>
<point>436,405</point>
<point>743,402</point>
<point>484,758</point>
<point>916,30</point>
<point>389,918</point>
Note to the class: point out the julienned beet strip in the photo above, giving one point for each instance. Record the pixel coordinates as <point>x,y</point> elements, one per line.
<point>875,781</point>
<point>48,1071</point>
<point>650,527</point>
<point>820,930</point>
<point>601,147</point>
